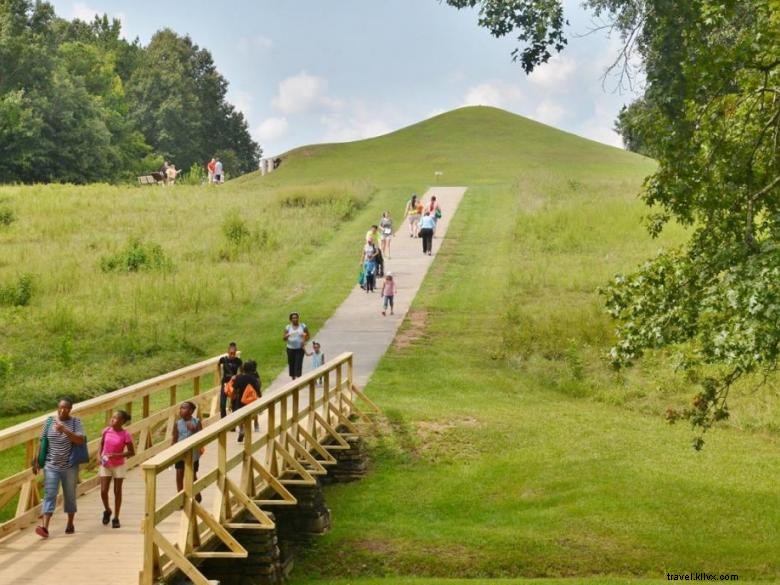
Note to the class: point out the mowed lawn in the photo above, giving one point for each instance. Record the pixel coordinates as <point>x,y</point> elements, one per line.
<point>509,450</point>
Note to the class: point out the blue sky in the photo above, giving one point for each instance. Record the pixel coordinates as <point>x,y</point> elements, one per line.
<point>310,71</point>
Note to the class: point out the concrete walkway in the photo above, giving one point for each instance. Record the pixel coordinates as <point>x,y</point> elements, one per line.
<point>97,555</point>
<point>358,325</point>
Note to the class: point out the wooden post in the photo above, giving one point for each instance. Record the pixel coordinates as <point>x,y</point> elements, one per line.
<point>151,555</point>
<point>196,386</point>
<point>172,400</point>
<point>145,407</point>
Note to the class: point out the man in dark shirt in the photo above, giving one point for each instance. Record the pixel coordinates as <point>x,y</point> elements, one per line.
<point>229,365</point>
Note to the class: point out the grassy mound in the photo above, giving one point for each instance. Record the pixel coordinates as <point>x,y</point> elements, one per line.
<point>510,449</point>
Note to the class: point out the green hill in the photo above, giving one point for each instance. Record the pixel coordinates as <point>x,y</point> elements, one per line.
<point>510,448</point>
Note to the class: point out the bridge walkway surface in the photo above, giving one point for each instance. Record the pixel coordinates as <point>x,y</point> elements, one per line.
<point>100,555</point>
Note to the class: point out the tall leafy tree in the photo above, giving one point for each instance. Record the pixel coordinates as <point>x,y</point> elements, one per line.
<point>710,115</point>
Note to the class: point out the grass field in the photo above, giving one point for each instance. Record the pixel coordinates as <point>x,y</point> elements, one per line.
<point>509,450</point>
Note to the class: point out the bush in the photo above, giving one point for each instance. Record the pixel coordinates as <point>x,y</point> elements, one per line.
<point>7,216</point>
<point>17,294</point>
<point>235,229</point>
<point>136,257</point>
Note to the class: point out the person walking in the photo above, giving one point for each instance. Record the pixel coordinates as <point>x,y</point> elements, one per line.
<point>186,425</point>
<point>211,167</point>
<point>229,366</point>
<point>317,358</point>
<point>246,389</point>
<point>296,334</point>
<point>116,444</point>
<point>218,173</point>
<point>368,257</point>
<point>413,214</point>
<point>388,293</point>
<point>435,211</point>
<point>427,225</point>
<point>386,229</point>
<point>60,434</point>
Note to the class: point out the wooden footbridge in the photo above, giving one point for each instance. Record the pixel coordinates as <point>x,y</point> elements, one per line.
<point>164,532</point>
<point>245,489</point>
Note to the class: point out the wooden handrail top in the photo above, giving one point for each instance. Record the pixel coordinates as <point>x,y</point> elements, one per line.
<point>177,451</point>
<point>32,428</point>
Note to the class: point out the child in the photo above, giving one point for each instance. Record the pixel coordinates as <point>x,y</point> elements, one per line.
<point>388,293</point>
<point>115,445</point>
<point>229,366</point>
<point>186,425</point>
<point>317,358</point>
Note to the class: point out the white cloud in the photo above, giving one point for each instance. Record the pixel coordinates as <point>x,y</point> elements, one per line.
<point>271,129</point>
<point>242,100</point>
<point>550,113</point>
<point>555,74</point>
<point>86,13</point>
<point>599,127</point>
<point>340,128</point>
<point>496,94</point>
<point>302,93</point>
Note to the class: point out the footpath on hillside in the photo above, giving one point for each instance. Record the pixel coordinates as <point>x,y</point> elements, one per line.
<point>97,555</point>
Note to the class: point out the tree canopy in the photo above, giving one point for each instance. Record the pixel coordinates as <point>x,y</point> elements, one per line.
<point>710,115</point>
<point>78,103</point>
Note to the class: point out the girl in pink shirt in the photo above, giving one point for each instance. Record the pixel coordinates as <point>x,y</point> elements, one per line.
<point>388,293</point>
<point>115,445</point>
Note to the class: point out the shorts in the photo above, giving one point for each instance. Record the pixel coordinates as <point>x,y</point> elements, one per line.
<point>195,465</point>
<point>413,219</point>
<point>118,472</point>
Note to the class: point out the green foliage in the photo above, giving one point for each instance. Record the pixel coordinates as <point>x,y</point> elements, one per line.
<point>80,104</point>
<point>7,216</point>
<point>538,24</point>
<point>137,256</point>
<point>235,229</point>
<point>711,117</point>
<point>17,293</point>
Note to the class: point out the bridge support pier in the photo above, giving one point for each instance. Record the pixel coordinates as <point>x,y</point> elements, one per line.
<point>271,552</point>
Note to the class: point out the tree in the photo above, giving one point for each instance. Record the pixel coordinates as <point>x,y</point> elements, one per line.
<point>710,114</point>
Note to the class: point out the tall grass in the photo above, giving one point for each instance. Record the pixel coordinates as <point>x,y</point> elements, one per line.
<point>121,283</point>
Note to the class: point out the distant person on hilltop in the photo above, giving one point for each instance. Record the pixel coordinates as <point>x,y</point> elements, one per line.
<point>211,167</point>
<point>218,172</point>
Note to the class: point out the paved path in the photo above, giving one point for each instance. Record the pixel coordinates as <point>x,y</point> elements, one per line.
<point>98,555</point>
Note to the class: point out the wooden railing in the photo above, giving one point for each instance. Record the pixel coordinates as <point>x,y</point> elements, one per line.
<point>299,426</point>
<point>154,406</point>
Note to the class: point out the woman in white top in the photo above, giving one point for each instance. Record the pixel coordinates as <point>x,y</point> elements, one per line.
<point>296,334</point>
<point>386,229</point>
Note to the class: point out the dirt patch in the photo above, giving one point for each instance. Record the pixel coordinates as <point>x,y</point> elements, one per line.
<point>413,331</point>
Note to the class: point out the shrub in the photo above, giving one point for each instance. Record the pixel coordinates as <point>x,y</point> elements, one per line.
<point>137,256</point>
<point>17,294</point>
<point>7,216</point>
<point>235,229</point>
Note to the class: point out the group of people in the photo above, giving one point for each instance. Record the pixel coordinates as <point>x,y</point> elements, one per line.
<point>215,171</point>
<point>62,433</point>
<point>422,218</point>
<point>372,261</point>
<point>168,173</point>
<point>240,386</point>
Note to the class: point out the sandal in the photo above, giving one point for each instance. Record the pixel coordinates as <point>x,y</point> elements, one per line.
<point>41,531</point>
<point>115,523</point>
<point>70,529</point>
<point>106,517</point>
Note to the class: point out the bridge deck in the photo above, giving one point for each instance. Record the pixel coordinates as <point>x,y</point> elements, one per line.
<point>100,555</point>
